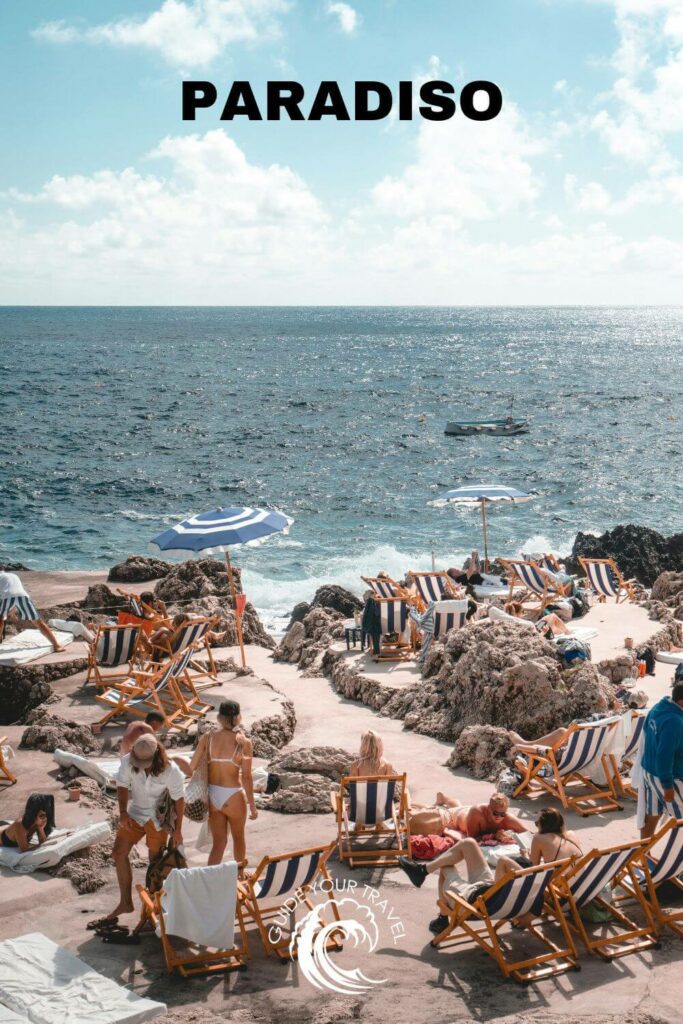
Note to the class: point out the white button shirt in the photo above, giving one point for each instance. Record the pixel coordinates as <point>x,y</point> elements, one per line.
<point>145,791</point>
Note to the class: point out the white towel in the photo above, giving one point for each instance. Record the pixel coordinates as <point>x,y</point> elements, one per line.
<point>46,984</point>
<point>29,645</point>
<point>103,772</point>
<point>199,905</point>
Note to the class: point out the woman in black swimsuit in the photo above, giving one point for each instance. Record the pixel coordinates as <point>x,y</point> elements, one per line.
<point>37,821</point>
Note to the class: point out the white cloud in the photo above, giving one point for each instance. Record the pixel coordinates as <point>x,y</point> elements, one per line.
<point>592,196</point>
<point>349,19</point>
<point>186,33</point>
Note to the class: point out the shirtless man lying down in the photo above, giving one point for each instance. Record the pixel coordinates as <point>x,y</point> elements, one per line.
<point>448,817</point>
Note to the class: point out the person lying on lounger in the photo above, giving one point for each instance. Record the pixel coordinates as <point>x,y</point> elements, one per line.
<point>551,842</point>
<point>34,826</point>
<point>15,603</point>
<point>548,624</point>
<point>448,817</point>
<point>470,574</point>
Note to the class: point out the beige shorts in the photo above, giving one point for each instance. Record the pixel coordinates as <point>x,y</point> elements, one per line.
<point>468,889</point>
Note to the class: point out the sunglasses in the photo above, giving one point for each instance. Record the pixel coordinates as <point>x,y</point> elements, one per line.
<point>498,814</point>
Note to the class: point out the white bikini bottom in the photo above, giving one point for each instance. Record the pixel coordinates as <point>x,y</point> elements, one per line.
<point>219,795</point>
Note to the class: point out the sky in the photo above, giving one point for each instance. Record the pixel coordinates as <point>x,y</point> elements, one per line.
<point>572,195</point>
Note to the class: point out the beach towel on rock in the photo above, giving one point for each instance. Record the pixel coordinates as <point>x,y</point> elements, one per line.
<point>61,843</point>
<point>46,984</point>
<point>29,645</point>
<point>105,772</point>
<point>199,905</point>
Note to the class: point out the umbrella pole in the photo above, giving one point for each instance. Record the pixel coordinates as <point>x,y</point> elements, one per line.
<point>486,536</point>
<point>238,618</point>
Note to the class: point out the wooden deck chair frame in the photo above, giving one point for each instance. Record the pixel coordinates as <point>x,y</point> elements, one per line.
<point>106,678</point>
<point>157,618</point>
<point>630,937</point>
<point>9,777</point>
<point>257,912</point>
<point>619,784</point>
<point>664,917</point>
<point>594,801</point>
<point>396,650</point>
<point>625,588</point>
<point>551,562</point>
<point>357,854</point>
<point>451,590</point>
<point>551,590</point>
<point>377,583</point>
<point>153,691</point>
<point>199,669</point>
<point>200,960</point>
<point>471,921</point>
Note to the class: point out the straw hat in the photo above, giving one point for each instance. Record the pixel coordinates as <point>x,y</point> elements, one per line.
<point>143,751</point>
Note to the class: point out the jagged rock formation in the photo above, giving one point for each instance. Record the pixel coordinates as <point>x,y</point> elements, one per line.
<point>306,775</point>
<point>639,552</point>
<point>25,687</point>
<point>335,598</point>
<point>299,613</point>
<point>139,569</point>
<point>485,750</point>
<point>47,732</point>
<point>13,567</point>
<point>668,590</point>
<point>307,642</point>
<point>273,730</point>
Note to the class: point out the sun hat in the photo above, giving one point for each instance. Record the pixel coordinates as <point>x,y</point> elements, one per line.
<point>143,751</point>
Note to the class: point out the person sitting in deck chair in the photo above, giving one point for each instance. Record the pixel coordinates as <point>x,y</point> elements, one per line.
<point>447,816</point>
<point>470,574</point>
<point>370,760</point>
<point>15,602</point>
<point>548,624</point>
<point>552,842</point>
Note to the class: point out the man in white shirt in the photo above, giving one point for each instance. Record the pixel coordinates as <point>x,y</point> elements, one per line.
<point>15,600</point>
<point>145,774</point>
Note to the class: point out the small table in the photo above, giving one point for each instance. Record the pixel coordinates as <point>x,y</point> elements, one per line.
<point>353,634</point>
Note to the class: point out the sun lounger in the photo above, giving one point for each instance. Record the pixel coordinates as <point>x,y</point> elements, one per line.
<point>583,881</point>
<point>200,907</point>
<point>606,580</point>
<point>45,984</point>
<point>113,647</point>
<point>518,893</point>
<point>271,889</point>
<point>59,844</point>
<point>662,861</point>
<point>367,813</point>
<point>536,581</point>
<point>383,586</point>
<point>635,721</point>
<point>6,776</point>
<point>437,620</point>
<point>433,586</point>
<point>393,614</point>
<point>153,691</point>
<point>104,772</point>
<point>555,769</point>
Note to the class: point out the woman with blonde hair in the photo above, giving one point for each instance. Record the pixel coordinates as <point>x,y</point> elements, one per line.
<point>231,788</point>
<point>370,760</point>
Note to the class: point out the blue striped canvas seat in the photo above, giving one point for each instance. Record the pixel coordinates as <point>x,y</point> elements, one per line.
<point>383,586</point>
<point>606,580</point>
<point>597,872</point>
<point>393,616</point>
<point>370,810</point>
<point>531,576</point>
<point>519,892</point>
<point>192,635</point>
<point>633,742</point>
<point>668,865</point>
<point>189,634</point>
<point>136,606</point>
<point>449,615</point>
<point>432,586</point>
<point>281,889</point>
<point>143,692</point>
<point>584,747</point>
<point>370,803</point>
<point>116,645</point>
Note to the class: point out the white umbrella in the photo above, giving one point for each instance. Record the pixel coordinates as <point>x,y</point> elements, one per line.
<point>480,494</point>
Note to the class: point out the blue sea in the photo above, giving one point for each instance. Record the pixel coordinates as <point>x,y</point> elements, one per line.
<point>120,421</point>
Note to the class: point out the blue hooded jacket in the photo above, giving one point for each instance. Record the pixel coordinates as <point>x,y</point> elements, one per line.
<point>663,751</point>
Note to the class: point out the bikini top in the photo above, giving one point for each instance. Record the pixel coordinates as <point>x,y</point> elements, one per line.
<point>226,760</point>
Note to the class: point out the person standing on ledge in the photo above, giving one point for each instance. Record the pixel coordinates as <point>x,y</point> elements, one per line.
<point>662,761</point>
<point>15,600</point>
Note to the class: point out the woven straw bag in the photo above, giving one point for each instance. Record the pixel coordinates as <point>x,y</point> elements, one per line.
<point>197,792</point>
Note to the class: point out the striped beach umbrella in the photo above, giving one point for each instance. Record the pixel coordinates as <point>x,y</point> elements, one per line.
<point>471,495</point>
<point>217,531</point>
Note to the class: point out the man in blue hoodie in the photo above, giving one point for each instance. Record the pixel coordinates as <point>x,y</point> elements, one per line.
<point>662,760</point>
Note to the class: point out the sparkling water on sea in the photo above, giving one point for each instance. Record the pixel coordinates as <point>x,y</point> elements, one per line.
<point>120,421</point>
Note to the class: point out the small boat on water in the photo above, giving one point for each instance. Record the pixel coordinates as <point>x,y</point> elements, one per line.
<point>499,428</point>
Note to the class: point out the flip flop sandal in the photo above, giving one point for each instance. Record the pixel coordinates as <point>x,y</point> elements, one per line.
<point>101,923</point>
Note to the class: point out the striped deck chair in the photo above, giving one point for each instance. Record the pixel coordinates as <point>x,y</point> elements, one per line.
<point>383,586</point>
<point>554,769</point>
<point>433,586</point>
<point>548,562</point>
<point>582,882</point>
<point>526,891</point>
<point>393,613</point>
<point>535,580</point>
<point>439,617</point>
<point>621,786</point>
<point>192,634</point>
<point>113,647</point>
<point>6,776</point>
<point>152,691</point>
<point>286,881</point>
<point>662,862</point>
<point>188,958</point>
<point>366,810</point>
<point>606,580</point>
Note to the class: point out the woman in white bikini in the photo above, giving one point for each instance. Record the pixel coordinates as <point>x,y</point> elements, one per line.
<point>231,787</point>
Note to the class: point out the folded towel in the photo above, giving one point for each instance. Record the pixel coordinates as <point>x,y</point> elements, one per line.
<point>199,905</point>
<point>29,645</point>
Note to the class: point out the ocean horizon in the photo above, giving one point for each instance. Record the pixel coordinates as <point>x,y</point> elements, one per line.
<point>123,420</point>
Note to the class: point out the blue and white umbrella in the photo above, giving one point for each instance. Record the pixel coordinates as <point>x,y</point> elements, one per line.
<point>480,494</point>
<point>218,530</point>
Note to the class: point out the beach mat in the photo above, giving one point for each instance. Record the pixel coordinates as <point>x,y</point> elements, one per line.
<point>60,843</point>
<point>104,772</point>
<point>46,984</point>
<point>29,645</point>
<point>670,657</point>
